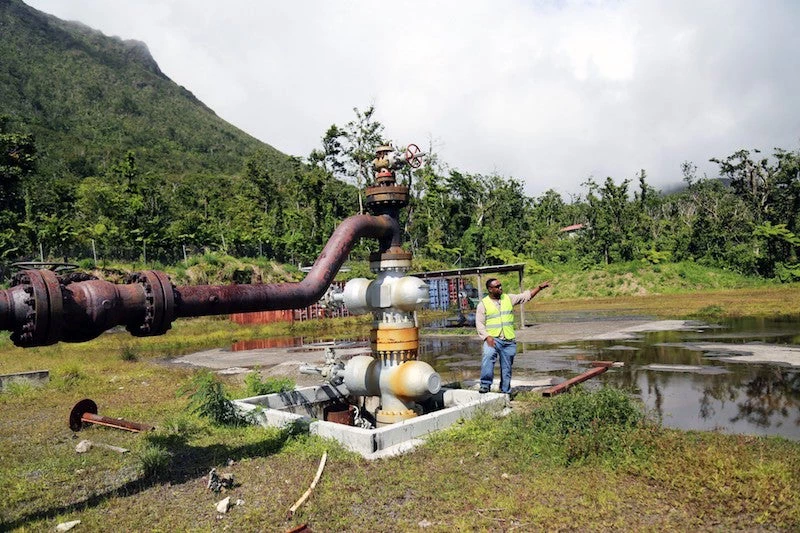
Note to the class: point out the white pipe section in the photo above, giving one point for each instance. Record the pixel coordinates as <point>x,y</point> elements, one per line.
<point>390,290</point>
<point>397,385</point>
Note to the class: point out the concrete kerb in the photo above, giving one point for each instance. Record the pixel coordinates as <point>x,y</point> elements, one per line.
<point>281,410</point>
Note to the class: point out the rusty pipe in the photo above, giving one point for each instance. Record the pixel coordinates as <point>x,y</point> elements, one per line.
<point>6,316</point>
<point>43,309</point>
<point>580,378</point>
<point>85,412</point>
<point>201,300</point>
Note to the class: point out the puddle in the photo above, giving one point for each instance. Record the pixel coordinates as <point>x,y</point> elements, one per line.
<point>262,344</point>
<point>734,376</point>
<point>737,376</point>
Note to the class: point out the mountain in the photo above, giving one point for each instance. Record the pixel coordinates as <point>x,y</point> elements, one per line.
<point>101,154</point>
<point>88,99</point>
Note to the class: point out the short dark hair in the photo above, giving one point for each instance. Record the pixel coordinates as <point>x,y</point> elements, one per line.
<point>489,282</point>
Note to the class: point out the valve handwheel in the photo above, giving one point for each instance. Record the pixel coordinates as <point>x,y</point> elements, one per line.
<point>412,155</point>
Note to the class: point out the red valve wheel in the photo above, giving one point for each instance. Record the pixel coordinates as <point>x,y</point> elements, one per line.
<point>412,156</point>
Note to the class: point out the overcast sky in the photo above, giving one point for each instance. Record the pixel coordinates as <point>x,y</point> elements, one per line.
<point>549,92</point>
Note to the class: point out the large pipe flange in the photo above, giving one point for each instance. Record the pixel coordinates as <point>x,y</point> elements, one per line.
<point>383,198</point>
<point>159,309</point>
<point>45,303</point>
<point>396,345</point>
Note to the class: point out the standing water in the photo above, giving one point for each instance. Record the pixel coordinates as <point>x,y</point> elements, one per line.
<point>698,379</point>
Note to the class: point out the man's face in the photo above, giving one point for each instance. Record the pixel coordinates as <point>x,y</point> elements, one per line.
<point>495,289</point>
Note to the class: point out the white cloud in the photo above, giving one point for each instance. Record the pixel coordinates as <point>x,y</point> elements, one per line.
<point>547,92</point>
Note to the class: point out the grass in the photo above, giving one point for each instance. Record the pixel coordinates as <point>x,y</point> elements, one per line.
<point>632,279</point>
<point>762,301</point>
<point>578,461</point>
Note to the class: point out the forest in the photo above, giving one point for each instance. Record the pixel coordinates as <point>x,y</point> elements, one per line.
<point>744,220</point>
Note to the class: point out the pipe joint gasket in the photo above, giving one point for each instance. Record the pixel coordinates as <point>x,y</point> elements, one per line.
<point>159,308</point>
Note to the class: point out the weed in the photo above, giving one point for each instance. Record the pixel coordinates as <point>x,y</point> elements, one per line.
<point>578,426</point>
<point>68,377</point>
<point>128,353</point>
<point>154,460</point>
<point>18,388</point>
<point>256,387</point>
<point>181,425</point>
<point>580,410</point>
<point>208,399</point>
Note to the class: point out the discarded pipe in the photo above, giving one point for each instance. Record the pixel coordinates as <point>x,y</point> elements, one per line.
<point>565,386</point>
<point>85,412</point>
<point>307,493</point>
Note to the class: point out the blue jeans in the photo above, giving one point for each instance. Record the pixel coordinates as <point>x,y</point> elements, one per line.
<point>506,350</point>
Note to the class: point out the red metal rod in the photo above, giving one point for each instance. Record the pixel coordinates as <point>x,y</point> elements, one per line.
<point>118,423</point>
<point>563,387</point>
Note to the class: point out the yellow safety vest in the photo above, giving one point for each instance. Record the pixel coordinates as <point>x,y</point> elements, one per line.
<point>502,320</point>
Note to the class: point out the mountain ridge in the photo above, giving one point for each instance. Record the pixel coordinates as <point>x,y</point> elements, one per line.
<point>89,98</point>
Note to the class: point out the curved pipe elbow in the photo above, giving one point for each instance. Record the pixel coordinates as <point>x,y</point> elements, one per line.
<point>204,300</point>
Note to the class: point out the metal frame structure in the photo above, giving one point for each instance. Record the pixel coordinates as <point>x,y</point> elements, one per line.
<point>479,272</point>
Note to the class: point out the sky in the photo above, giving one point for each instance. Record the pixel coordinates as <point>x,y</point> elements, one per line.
<point>549,92</point>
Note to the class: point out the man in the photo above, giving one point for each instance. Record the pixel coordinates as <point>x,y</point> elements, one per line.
<point>494,320</point>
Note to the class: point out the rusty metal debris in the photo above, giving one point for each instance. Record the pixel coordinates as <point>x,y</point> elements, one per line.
<point>599,368</point>
<point>85,412</point>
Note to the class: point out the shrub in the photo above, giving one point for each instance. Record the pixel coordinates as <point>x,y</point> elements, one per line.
<point>128,353</point>
<point>208,399</point>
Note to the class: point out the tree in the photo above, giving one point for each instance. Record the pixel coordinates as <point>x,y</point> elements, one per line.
<point>611,235</point>
<point>17,163</point>
<point>347,152</point>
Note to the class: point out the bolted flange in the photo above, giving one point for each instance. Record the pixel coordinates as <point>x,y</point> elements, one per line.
<point>159,309</point>
<point>381,198</point>
<point>45,302</point>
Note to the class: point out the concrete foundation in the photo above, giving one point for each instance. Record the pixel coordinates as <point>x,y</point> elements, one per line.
<point>304,409</point>
<point>35,378</point>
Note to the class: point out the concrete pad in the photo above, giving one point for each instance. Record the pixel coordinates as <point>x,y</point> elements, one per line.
<point>304,407</point>
<point>219,358</point>
<point>693,369</point>
<point>657,325</point>
<point>35,378</point>
<point>517,385</point>
<point>749,353</point>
